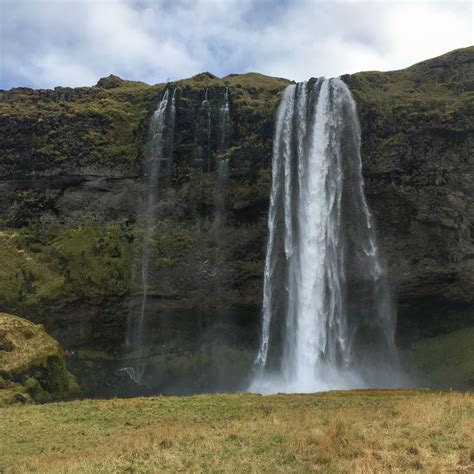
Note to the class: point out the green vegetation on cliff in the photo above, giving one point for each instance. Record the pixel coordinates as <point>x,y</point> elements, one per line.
<point>63,265</point>
<point>98,125</point>
<point>104,127</point>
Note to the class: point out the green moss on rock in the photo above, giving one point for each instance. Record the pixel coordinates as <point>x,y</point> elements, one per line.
<point>26,277</point>
<point>96,261</point>
<point>32,365</point>
<point>66,265</point>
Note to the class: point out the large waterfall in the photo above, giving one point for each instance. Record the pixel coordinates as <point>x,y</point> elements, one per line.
<point>328,321</point>
<point>158,156</point>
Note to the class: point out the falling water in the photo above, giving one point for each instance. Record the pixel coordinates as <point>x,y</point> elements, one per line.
<point>219,194</point>
<point>206,111</point>
<point>224,127</point>
<point>328,321</point>
<point>224,122</point>
<point>223,164</point>
<point>158,155</point>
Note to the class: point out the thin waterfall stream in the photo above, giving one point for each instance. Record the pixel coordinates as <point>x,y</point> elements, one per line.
<point>224,127</point>
<point>327,319</point>
<point>158,154</point>
<point>206,110</point>
<point>223,163</point>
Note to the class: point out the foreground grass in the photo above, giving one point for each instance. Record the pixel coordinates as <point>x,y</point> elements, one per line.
<point>357,431</point>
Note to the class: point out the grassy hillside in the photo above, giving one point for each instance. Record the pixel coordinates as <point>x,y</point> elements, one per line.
<point>358,431</point>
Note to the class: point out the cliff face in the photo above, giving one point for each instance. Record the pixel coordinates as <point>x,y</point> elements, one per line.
<point>418,165</point>
<point>71,176</point>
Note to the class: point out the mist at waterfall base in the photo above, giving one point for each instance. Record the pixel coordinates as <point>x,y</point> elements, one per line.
<point>328,321</point>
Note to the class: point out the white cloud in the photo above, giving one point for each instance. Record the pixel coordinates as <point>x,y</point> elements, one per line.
<point>333,38</point>
<point>74,42</point>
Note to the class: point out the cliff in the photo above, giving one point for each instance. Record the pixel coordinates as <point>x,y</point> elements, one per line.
<point>71,175</point>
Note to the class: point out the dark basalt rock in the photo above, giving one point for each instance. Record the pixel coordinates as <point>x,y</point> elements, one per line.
<point>110,82</point>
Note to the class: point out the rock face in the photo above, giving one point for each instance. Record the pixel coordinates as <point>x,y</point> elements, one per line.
<point>32,366</point>
<point>71,175</point>
<point>418,146</point>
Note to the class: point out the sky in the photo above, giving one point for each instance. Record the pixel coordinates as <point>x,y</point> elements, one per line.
<point>45,43</point>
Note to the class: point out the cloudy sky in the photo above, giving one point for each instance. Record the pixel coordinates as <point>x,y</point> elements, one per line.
<point>44,43</point>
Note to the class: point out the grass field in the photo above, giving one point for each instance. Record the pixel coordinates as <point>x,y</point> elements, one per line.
<point>355,431</point>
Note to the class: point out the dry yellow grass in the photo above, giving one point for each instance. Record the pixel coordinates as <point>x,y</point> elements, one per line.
<point>353,432</point>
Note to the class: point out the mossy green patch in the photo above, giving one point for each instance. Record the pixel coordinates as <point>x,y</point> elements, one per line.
<point>63,265</point>
<point>96,261</point>
<point>444,361</point>
<point>26,279</point>
<point>100,124</point>
<point>419,94</point>
<point>241,193</point>
<point>31,363</point>
<point>172,244</point>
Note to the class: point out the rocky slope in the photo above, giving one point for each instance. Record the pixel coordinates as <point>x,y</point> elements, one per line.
<point>71,175</point>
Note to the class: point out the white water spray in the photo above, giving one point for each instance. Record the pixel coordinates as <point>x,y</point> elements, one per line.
<point>327,319</point>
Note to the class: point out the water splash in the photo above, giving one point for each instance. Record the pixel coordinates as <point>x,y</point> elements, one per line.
<point>327,319</point>
<point>158,155</point>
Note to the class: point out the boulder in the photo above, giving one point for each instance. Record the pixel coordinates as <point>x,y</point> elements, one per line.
<point>32,365</point>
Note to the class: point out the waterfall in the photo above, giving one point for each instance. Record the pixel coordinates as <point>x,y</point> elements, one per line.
<point>206,111</point>
<point>158,155</point>
<point>224,127</point>
<point>221,183</point>
<point>223,164</point>
<point>327,317</point>
<point>224,122</point>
